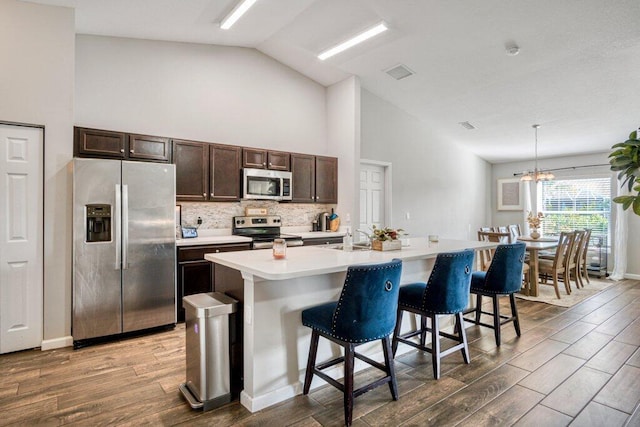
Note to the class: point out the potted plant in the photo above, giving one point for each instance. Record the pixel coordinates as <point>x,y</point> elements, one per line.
<point>386,239</point>
<point>534,223</point>
<point>625,159</point>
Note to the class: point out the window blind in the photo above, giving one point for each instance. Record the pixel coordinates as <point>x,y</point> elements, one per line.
<point>575,204</point>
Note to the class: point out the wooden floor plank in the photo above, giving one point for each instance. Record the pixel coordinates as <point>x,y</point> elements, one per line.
<point>611,357</point>
<point>619,321</point>
<point>577,391</point>
<point>543,416</point>
<point>622,392</point>
<point>505,409</point>
<point>467,401</point>
<point>574,332</point>
<point>597,415</point>
<point>394,413</point>
<point>537,356</point>
<point>631,334</point>
<point>553,373</point>
<point>589,345</point>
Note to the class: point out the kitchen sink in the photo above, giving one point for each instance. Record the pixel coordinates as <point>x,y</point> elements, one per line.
<point>356,247</point>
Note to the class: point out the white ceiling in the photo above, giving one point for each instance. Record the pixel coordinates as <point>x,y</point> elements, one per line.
<point>577,73</point>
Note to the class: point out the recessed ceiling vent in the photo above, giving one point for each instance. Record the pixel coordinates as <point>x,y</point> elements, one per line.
<point>467,125</point>
<point>399,72</point>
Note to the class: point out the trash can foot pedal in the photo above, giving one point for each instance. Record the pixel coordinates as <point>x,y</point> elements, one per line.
<point>207,405</point>
<point>191,399</point>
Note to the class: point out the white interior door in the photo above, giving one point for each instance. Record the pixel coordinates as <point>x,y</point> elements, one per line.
<point>372,197</point>
<point>21,235</point>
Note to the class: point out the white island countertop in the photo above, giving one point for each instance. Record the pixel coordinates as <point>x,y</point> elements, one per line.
<point>314,260</point>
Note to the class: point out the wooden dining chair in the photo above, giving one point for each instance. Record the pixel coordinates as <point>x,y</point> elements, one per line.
<point>486,255</point>
<point>573,259</point>
<point>514,230</point>
<point>555,268</point>
<point>584,272</point>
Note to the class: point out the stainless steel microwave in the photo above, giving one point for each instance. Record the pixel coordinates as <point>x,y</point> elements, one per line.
<point>262,184</point>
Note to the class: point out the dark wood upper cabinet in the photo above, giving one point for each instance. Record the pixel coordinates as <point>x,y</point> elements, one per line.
<point>263,159</point>
<point>119,145</point>
<point>326,179</point>
<point>303,171</point>
<point>100,143</point>
<point>315,179</point>
<point>192,170</point>
<point>225,168</point>
<point>150,148</point>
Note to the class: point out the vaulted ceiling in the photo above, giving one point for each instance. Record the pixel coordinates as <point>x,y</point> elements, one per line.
<point>576,73</point>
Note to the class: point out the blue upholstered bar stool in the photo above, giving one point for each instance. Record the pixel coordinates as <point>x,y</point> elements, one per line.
<point>503,278</point>
<point>365,312</point>
<point>446,292</point>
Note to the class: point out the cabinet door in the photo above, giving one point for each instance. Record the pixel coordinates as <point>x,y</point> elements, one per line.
<point>225,172</point>
<point>100,143</point>
<point>326,179</point>
<point>254,158</point>
<point>303,172</point>
<point>278,160</point>
<point>192,170</point>
<point>150,148</point>
<point>320,241</point>
<point>194,277</point>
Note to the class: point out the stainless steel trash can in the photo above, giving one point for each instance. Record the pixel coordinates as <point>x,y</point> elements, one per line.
<point>207,349</point>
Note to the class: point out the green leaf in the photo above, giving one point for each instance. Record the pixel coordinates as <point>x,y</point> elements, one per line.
<point>623,199</point>
<point>619,144</point>
<point>633,135</point>
<point>621,161</point>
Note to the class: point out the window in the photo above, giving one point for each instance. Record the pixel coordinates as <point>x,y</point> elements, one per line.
<point>574,204</point>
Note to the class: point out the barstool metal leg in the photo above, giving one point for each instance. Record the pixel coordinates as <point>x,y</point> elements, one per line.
<point>435,345</point>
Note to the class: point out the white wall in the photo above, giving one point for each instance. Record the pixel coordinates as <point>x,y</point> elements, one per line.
<point>36,87</point>
<point>506,170</point>
<point>201,92</point>
<point>441,185</point>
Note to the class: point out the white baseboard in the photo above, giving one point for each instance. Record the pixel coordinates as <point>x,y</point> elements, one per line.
<point>632,276</point>
<point>57,343</point>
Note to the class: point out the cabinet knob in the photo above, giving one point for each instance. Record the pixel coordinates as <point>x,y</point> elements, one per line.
<point>270,164</point>
<point>217,250</point>
<point>131,151</point>
<point>122,150</point>
<point>204,194</point>
<point>264,164</point>
<point>211,194</point>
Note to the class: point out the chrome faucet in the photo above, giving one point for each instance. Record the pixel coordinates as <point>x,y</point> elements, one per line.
<point>369,237</point>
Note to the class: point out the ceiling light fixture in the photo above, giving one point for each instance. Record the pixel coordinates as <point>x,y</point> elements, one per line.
<point>236,14</point>
<point>365,35</point>
<point>536,175</point>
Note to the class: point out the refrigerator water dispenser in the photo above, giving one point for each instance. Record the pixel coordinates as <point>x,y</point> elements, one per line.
<point>98,223</point>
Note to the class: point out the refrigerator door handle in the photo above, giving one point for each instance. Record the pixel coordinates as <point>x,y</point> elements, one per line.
<point>118,227</point>
<point>125,226</point>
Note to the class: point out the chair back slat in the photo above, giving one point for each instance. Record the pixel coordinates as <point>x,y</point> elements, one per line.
<point>368,303</point>
<point>564,241</point>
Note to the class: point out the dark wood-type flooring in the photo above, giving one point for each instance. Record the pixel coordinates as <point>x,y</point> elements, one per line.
<point>578,366</point>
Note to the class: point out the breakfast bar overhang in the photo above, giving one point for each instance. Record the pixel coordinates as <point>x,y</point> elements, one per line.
<point>276,291</point>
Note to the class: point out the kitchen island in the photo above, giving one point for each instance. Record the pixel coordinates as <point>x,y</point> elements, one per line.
<point>276,344</point>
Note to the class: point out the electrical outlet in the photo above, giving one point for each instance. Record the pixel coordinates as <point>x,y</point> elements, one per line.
<point>199,221</point>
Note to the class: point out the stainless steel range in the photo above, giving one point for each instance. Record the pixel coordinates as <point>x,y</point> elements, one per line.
<point>263,230</point>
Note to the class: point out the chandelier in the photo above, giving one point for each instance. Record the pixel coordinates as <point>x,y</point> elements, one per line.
<point>537,175</point>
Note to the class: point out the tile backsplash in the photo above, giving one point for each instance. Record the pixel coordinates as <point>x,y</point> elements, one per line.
<point>219,215</point>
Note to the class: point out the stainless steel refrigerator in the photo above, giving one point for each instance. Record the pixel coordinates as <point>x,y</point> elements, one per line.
<point>123,247</point>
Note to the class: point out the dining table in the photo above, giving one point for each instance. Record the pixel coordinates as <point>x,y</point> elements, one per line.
<point>534,246</point>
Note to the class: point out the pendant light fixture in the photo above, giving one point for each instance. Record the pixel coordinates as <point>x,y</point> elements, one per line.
<point>536,175</point>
